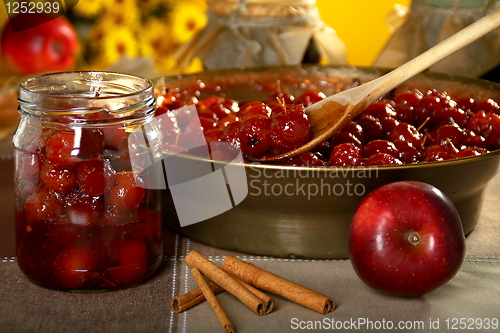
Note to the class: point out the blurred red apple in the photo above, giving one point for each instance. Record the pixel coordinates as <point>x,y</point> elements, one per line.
<point>406,239</point>
<point>49,46</point>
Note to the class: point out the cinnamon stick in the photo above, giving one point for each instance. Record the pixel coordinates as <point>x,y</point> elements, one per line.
<point>193,297</point>
<point>268,301</point>
<point>224,280</point>
<point>212,300</point>
<point>267,281</point>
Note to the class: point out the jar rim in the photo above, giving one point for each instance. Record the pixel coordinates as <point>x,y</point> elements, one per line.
<point>88,75</point>
<point>85,92</point>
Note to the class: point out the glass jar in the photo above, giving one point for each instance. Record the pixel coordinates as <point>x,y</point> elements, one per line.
<point>86,218</point>
<point>429,22</point>
<point>254,33</point>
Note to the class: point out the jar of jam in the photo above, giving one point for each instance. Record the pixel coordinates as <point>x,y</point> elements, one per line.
<point>429,22</point>
<point>255,33</point>
<point>86,218</point>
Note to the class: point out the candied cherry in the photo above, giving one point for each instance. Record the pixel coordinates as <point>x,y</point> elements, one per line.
<point>128,192</point>
<point>254,135</point>
<point>42,205</point>
<point>405,113</point>
<point>224,108</point>
<point>407,153</point>
<point>232,133</point>
<point>410,97</point>
<point>388,125</point>
<point>449,133</point>
<point>290,129</point>
<point>382,159</point>
<point>214,135</point>
<point>73,266</point>
<point>345,155</point>
<point>323,149</point>
<point>474,140</point>
<point>439,152</point>
<point>453,116</point>
<point>94,176</point>
<point>308,159</point>
<point>482,123</point>
<point>253,108</point>
<point>383,108</point>
<point>207,123</point>
<point>311,96</point>
<point>466,104</point>
<point>227,120</point>
<point>345,137</point>
<point>57,179</point>
<point>372,128</point>
<point>470,151</point>
<point>132,262</point>
<point>356,130</point>
<point>379,146</point>
<point>429,108</point>
<point>494,140</point>
<point>281,97</point>
<point>206,113</point>
<point>406,132</point>
<point>208,102</point>
<point>61,149</point>
<point>488,105</point>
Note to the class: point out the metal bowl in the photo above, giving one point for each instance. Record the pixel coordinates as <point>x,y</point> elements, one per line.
<point>298,212</point>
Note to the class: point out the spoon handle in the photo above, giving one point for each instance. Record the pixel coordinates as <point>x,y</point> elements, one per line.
<point>435,54</point>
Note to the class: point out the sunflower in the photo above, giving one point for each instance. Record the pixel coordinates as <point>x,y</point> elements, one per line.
<point>154,41</point>
<point>123,13</point>
<point>187,19</point>
<point>89,8</point>
<point>121,42</point>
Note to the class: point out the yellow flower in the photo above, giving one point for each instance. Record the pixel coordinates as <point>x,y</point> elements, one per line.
<point>89,8</point>
<point>187,19</point>
<point>154,38</point>
<point>121,41</point>
<point>148,5</point>
<point>123,12</point>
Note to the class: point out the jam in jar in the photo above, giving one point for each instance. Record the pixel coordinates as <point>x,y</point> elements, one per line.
<point>85,217</point>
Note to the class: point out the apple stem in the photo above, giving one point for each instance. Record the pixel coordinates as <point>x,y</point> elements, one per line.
<point>413,237</point>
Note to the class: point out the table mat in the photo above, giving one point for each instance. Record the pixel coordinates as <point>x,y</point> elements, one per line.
<point>359,308</point>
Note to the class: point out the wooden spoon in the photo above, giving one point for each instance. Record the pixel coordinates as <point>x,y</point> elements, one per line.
<point>330,115</point>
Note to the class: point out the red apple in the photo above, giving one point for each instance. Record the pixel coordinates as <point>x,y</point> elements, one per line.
<point>49,46</point>
<point>406,239</point>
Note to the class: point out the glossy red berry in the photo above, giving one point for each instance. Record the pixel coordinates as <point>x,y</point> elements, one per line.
<point>128,192</point>
<point>311,96</point>
<point>131,263</point>
<point>382,159</point>
<point>42,206</point>
<point>57,179</point>
<point>94,176</point>
<point>380,146</point>
<point>62,149</point>
<point>73,267</point>
<point>345,155</point>
<point>254,135</point>
<point>290,129</point>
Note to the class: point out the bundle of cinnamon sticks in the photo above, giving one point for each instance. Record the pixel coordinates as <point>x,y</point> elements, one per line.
<point>245,281</point>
